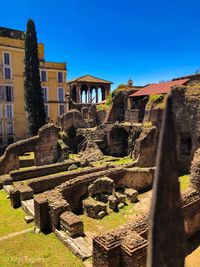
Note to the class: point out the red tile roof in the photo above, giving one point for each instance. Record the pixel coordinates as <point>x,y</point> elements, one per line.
<point>158,88</point>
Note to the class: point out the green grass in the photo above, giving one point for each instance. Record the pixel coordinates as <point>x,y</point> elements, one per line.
<point>27,156</point>
<point>29,249</point>
<point>112,221</point>
<point>113,161</point>
<point>32,249</point>
<point>156,101</point>
<point>11,220</point>
<point>184,182</point>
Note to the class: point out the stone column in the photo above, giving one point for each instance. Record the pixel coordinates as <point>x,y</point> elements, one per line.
<point>97,97</point>
<point>78,93</point>
<point>88,96</point>
<point>103,93</point>
<point>86,99</point>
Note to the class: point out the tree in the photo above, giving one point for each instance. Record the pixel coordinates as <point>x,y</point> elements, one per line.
<point>34,102</point>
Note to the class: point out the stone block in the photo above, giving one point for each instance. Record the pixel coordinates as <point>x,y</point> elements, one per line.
<point>101,185</point>
<point>113,203</point>
<point>121,198</point>
<point>71,223</point>
<point>29,219</point>
<point>121,205</point>
<point>131,194</point>
<point>72,167</point>
<point>92,208</point>
<point>101,214</point>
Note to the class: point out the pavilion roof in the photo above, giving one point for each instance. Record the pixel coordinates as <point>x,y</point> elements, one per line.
<point>89,79</point>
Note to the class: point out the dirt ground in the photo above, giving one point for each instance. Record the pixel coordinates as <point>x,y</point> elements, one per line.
<point>193,257</point>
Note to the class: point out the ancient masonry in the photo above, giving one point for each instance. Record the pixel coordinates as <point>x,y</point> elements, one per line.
<point>57,189</point>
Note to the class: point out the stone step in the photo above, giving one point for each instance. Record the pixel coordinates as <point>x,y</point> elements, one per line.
<point>7,188</point>
<point>77,245</point>
<point>28,206</point>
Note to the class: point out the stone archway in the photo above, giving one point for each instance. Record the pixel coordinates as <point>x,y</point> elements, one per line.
<point>118,145</point>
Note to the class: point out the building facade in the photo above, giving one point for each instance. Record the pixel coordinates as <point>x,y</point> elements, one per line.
<point>13,122</point>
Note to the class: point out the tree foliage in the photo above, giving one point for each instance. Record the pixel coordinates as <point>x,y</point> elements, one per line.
<point>34,102</point>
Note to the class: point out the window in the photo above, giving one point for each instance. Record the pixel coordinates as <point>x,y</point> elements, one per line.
<point>8,93</point>
<point>9,111</point>
<point>10,129</point>
<point>10,140</point>
<point>45,93</point>
<point>60,94</point>
<point>60,77</point>
<point>46,109</point>
<point>43,76</point>
<point>6,58</point>
<point>7,73</point>
<point>61,109</point>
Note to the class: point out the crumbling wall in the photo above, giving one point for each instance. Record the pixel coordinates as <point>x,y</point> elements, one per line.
<point>137,178</point>
<point>145,148</point>
<point>186,106</point>
<point>72,118</point>
<point>38,171</point>
<point>44,145</point>
<point>118,108</point>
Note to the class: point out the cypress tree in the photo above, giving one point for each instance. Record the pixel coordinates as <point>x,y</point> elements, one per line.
<point>34,102</point>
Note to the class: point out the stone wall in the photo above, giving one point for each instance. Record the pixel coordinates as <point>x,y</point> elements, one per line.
<point>44,183</point>
<point>154,116</point>
<point>137,178</point>
<point>186,106</point>
<point>44,145</point>
<point>132,115</point>
<point>118,107</point>
<point>117,248</point>
<point>75,189</point>
<point>38,171</point>
<point>145,148</point>
<point>72,118</point>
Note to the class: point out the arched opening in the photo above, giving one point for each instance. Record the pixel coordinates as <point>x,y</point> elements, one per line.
<point>84,93</point>
<point>74,94</point>
<point>118,142</point>
<point>99,95</point>
<point>83,96</point>
<point>93,94</point>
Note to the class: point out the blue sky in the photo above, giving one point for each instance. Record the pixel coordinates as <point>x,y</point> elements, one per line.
<point>147,41</point>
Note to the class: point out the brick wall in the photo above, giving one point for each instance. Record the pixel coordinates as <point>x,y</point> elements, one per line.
<point>44,145</point>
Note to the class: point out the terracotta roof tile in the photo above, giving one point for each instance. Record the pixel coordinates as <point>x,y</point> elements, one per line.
<point>158,88</point>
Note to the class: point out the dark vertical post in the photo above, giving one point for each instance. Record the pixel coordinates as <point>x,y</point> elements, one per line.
<point>166,233</point>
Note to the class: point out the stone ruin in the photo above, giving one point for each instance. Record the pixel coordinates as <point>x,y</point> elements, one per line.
<point>55,193</point>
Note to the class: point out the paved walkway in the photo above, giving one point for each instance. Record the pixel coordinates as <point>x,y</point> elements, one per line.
<point>15,234</point>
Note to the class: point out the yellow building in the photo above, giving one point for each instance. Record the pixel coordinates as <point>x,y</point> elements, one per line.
<point>13,123</point>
